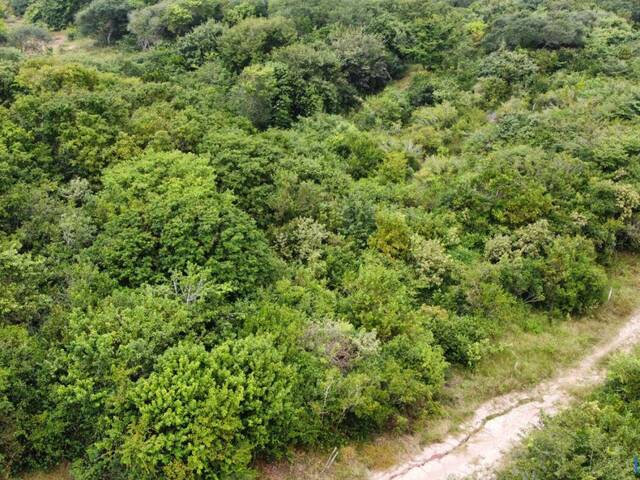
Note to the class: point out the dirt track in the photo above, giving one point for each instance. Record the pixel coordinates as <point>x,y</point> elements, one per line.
<point>498,425</point>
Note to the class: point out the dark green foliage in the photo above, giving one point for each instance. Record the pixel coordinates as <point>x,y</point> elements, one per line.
<point>264,94</point>
<point>201,44</point>
<point>54,13</point>
<point>553,30</point>
<point>30,437</point>
<point>8,71</point>
<point>364,60</point>
<point>359,150</point>
<point>314,71</point>
<point>573,281</point>
<point>23,298</point>
<point>162,212</point>
<point>510,66</point>
<point>111,346</point>
<point>465,340</point>
<point>19,7</point>
<point>252,39</point>
<point>421,90</point>
<point>106,20</point>
<point>245,164</point>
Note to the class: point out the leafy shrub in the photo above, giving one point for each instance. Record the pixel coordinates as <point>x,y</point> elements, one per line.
<point>573,281</point>
<point>364,60</point>
<point>510,66</point>
<point>264,95</point>
<point>183,219</point>
<point>560,272</point>
<point>378,299</point>
<point>386,110</point>
<point>24,298</point>
<point>112,346</point>
<point>237,401</point>
<point>464,340</point>
<point>170,19</point>
<point>552,30</point>
<point>201,44</point>
<point>147,24</point>
<point>318,83</point>
<point>28,38</point>
<point>421,90</point>
<point>359,150</point>
<point>30,436</point>
<point>19,7</point>
<point>56,14</point>
<point>252,39</point>
<point>105,20</point>
<point>8,72</point>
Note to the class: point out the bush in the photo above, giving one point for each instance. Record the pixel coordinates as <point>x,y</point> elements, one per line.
<point>110,347</point>
<point>56,14</point>
<point>379,299</point>
<point>29,38</point>
<point>263,94</point>
<point>364,60</point>
<point>183,219</point>
<point>623,378</point>
<point>8,72</point>
<point>19,7</point>
<point>464,340</point>
<point>510,66</point>
<point>169,19</point>
<point>106,20</point>
<point>574,282</point>
<point>201,44</point>
<point>30,436</point>
<point>24,297</point>
<point>421,90</point>
<point>387,110</point>
<point>147,24</point>
<point>318,83</point>
<point>360,151</point>
<point>552,30</point>
<point>252,39</point>
<point>559,272</point>
<point>205,414</point>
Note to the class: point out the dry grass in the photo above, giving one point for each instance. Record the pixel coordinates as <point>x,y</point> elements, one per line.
<point>59,473</point>
<point>526,358</point>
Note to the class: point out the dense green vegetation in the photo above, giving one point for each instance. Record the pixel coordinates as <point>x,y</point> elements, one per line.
<point>239,227</point>
<point>598,438</point>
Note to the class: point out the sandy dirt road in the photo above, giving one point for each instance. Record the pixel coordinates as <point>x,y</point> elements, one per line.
<point>499,424</point>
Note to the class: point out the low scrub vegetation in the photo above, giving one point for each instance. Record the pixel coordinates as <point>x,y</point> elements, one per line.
<point>245,228</point>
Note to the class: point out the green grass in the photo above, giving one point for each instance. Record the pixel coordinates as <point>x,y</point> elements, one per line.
<point>530,352</point>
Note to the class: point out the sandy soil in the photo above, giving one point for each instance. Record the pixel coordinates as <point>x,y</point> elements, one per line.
<point>58,40</point>
<point>499,424</point>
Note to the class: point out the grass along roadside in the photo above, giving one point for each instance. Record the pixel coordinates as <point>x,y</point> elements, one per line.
<point>530,351</point>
